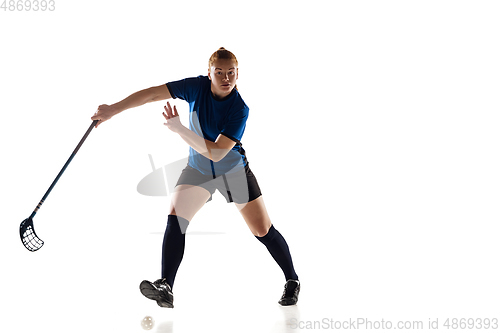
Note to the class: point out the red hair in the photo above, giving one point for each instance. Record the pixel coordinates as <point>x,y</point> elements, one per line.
<point>221,53</point>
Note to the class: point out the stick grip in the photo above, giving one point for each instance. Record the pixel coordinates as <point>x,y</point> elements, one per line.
<point>85,136</point>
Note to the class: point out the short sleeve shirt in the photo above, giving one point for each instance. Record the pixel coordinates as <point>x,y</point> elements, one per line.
<point>209,117</point>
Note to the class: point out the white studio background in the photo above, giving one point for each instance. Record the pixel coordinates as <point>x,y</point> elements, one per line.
<point>373,133</point>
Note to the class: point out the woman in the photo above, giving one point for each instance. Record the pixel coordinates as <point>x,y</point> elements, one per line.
<point>217,160</point>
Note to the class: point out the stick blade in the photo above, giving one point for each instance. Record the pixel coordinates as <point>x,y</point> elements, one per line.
<point>28,236</point>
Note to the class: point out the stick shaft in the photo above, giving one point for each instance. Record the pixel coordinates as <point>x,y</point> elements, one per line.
<point>64,168</point>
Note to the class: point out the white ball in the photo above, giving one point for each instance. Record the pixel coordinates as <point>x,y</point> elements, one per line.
<point>147,323</point>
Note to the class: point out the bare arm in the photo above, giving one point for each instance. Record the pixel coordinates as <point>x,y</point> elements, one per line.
<point>214,151</point>
<point>153,94</point>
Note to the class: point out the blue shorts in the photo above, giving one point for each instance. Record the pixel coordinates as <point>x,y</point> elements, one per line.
<point>239,187</point>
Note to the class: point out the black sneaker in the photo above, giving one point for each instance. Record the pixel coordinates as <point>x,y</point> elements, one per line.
<point>291,293</point>
<point>159,291</point>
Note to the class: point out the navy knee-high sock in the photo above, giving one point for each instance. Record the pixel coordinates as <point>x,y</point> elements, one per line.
<point>277,246</point>
<point>174,242</point>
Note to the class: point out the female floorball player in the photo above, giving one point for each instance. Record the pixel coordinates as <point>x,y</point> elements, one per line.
<point>217,160</point>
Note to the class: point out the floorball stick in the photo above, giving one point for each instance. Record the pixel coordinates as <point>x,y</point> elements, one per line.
<point>26,230</point>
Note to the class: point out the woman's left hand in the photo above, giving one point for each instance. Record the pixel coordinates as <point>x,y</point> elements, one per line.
<point>173,120</point>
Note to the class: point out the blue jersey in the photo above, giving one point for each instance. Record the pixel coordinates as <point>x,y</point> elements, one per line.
<point>209,117</point>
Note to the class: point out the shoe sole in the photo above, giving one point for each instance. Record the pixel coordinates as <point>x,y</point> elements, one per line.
<point>152,293</point>
<point>287,302</point>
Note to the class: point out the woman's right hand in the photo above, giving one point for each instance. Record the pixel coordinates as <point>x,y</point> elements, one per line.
<point>104,112</point>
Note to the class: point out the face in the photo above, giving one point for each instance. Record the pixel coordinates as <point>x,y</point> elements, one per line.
<point>223,75</point>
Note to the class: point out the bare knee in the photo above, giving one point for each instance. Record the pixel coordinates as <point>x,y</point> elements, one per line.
<point>261,230</point>
<point>187,200</point>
